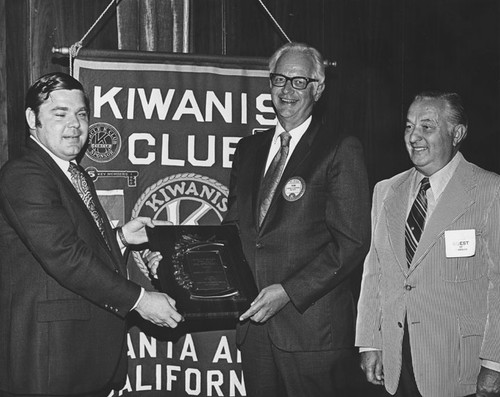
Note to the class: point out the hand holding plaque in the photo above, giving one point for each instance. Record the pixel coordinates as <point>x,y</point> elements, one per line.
<point>204,269</point>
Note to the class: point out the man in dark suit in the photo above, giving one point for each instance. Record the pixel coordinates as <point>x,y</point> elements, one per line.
<point>299,194</point>
<point>429,310</point>
<point>64,291</point>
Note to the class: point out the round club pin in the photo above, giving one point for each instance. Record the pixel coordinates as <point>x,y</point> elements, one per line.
<point>294,188</point>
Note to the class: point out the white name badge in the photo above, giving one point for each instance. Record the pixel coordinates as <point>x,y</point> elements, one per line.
<point>460,243</point>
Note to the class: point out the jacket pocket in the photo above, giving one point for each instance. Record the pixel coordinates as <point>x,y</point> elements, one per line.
<point>462,269</point>
<point>471,337</point>
<point>63,310</point>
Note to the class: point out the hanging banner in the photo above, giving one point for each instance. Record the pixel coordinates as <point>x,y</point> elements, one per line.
<point>162,133</point>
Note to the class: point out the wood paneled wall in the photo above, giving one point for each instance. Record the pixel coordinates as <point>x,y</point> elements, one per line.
<point>386,51</point>
<point>29,29</point>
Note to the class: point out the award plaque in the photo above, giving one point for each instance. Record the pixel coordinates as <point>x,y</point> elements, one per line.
<point>204,270</point>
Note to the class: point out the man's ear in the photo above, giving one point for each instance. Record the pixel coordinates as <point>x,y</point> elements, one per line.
<point>319,90</point>
<point>31,118</point>
<point>459,134</point>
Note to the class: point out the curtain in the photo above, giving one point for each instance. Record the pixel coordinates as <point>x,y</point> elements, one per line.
<point>154,25</point>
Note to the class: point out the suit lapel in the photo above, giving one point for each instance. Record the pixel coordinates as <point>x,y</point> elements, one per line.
<point>301,152</point>
<point>72,193</point>
<point>262,151</point>
<point>453,203</point>
<point>299,155</point>
<point>395,207</point>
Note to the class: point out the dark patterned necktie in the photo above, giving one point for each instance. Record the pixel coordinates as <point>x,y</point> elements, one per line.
<point>273,175</point>
<point>416,220</point>
<point>83,189</point>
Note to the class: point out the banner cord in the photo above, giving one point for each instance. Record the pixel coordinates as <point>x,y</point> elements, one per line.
<point>275,22</point>
<point>75,48</point>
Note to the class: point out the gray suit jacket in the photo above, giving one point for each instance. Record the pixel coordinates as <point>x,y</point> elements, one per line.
<point>452,304</point>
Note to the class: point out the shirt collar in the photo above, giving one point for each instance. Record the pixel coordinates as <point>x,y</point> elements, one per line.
<point>296,133</point>
<point>63,164</point>
<point>439,179</point>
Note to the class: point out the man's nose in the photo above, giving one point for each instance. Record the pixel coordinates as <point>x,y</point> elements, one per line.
<point>288,87</point>
<point>415,134</point>
<point>73,121</point>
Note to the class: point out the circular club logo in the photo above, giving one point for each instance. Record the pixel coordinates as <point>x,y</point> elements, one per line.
<point>183,199</point>
<point>104,142</point>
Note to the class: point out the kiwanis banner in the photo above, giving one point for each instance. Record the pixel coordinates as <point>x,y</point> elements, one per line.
<point>162,134</point>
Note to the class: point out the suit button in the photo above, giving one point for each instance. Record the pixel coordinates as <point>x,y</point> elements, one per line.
<point>408,287</point>
<point>259,245</point>
<point>400,325</point>
<point>117,271</point>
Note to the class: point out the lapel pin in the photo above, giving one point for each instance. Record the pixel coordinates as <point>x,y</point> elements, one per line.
<point>294,188</point>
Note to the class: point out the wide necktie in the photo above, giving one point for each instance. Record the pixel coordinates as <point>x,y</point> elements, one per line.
<point>273,176</point>
<point>416,220</point>
<point>83,189</point>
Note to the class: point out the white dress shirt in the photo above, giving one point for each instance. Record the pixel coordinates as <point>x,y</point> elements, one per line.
<point>295,134</point>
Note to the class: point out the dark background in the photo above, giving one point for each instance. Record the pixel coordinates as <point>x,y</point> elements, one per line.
<point>386,51</point>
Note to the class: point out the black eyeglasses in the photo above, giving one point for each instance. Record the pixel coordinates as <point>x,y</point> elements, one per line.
<point>298,82</point>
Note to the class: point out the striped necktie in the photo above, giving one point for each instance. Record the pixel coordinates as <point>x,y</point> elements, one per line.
<point>80,183</point>
<point>273,176</point>
<point>416,220</point>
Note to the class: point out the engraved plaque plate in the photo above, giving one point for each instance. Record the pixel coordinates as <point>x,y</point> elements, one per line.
<point>204,270</point>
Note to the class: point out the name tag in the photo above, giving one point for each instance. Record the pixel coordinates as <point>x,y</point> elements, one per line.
<point>460,243</point>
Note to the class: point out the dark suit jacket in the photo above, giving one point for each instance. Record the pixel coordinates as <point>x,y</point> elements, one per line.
<point>63,292</point>
<point>310,245</point>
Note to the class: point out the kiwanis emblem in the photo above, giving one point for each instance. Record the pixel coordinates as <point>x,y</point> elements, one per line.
<point>183,199</point>
<point>104,142</point>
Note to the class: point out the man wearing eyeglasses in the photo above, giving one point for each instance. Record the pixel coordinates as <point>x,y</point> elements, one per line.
<point>299,194</point>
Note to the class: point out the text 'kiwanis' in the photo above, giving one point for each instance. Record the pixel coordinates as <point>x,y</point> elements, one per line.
<point>186,104</point>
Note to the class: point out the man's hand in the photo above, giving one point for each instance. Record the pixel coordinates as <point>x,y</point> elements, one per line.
<point>135,230</point>
<point>269,302</point>
<point>488,383</point>
<point>371,364</point>
<point>159,309</point>
<point>152,259</point>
